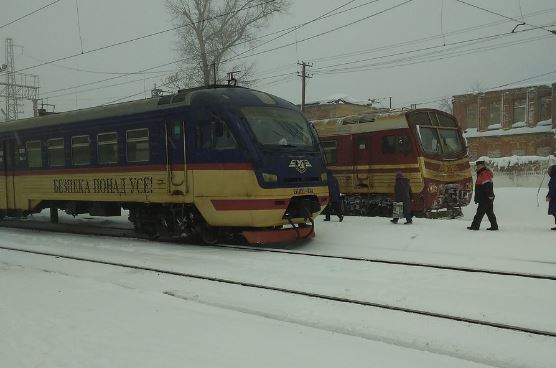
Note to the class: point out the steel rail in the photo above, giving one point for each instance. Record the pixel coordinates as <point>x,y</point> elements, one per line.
<point>502,326</point>
<point>78,230</point>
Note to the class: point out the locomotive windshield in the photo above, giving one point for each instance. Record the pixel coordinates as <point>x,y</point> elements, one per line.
<point>274,126</point>
<point>439,133</point>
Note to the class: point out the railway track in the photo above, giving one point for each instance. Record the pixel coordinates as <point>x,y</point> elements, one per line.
<point>129,233</point>
<point>303,293</point>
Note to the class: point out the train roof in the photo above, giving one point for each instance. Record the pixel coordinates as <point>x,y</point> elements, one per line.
<point>242,96</point>
<point>361,123</point>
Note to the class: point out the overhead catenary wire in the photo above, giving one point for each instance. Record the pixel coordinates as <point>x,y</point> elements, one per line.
<point>543,11</point>
<point>323,33</point>
<point>505,16</point>
<point>328,14</point>
<point>120,43</point>
<point>428,57</point>
<point>175,62</point>
<point>29,14</point>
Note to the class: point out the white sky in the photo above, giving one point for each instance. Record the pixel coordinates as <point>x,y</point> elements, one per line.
<point>52,33</point>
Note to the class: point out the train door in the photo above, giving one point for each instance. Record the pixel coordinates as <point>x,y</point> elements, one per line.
<point>361,160</point>
<point>8,151</point>
<point>176,157</point>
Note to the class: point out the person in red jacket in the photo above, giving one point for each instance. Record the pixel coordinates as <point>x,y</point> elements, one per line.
<point>484,197</point>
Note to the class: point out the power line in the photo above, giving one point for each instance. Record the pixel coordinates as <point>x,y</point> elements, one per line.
<point>31,13</point>
<point>92,71</point>
<point>181,60</point>
<point>435,57</point>
<point>328,14</point>
<point>141,37</point>
<point>464,42</point>
<point>323,33</point>
<point>161,75</point>
<point>405,43</point>
<point>424,39</point>
<point>504,16</point>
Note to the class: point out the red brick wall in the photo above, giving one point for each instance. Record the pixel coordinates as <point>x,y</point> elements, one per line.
<point>529,143</point>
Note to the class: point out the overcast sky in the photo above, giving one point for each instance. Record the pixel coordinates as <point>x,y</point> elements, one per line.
<point>373,58</point>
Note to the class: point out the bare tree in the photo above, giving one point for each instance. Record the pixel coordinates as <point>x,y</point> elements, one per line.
<point>212,31</point>
<point>446,105</point>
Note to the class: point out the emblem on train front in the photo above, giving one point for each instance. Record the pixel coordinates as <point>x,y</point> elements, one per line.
<point>300,165</point>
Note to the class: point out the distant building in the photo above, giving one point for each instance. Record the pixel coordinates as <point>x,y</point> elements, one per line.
<point>337,107</point>
<point>517,121</point>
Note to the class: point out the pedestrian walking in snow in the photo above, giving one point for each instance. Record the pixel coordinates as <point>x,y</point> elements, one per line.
<point>403,194</point>
<point>334,206</point>
<point>484,197</point>
<point>551,196</point>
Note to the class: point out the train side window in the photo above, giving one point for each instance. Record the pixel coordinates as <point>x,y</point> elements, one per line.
<point>392,144</point>
<point>34,154</point>
<point>80,150</point>
<point>362,143</point>
<point>330,151</point>
<point>55,148</point>
<point>138,145</point>
<point>107,148</point>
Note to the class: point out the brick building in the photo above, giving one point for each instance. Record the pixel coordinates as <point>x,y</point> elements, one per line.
<point>518,121</point>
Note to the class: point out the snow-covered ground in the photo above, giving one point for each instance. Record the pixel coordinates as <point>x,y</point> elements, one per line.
<point>63,313</point>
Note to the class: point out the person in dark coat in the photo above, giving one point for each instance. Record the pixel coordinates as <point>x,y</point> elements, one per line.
<point>551,196</point>
<point>334,205</point>
<point>484,197</point>
<point>403,193</point>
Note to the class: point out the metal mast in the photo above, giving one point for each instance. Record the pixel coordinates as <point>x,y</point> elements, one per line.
<point>17,87</point>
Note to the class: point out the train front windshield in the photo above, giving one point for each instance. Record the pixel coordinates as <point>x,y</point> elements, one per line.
<point>439,134</point>
<point>273,126</point>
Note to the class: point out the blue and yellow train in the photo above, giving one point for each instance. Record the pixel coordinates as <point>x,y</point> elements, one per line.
<point>206,162</point>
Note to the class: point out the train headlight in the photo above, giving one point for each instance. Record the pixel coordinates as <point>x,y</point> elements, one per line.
<point>323,177</point>
<point>270,178</point>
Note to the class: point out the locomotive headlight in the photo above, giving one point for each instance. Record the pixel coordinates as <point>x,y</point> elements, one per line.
<point>323,177</point>
<point>270,178</point>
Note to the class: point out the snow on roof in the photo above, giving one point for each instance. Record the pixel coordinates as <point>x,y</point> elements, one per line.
<point>544,126</point>
<point>509,87</point>
<point>522,85</point>
<point>339,98</point>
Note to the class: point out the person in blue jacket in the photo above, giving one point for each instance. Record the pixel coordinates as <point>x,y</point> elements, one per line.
<point>334,205</point>
<point>551,196</point>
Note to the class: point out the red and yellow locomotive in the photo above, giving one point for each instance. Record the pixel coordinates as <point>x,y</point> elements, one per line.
<point>365,152</point>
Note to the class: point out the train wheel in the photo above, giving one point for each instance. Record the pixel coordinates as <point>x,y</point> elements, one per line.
<point>150,230</point>
<point>209,234</point>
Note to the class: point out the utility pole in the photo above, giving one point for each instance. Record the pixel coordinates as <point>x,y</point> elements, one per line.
<point>18,86</point>
<point>304,76</point>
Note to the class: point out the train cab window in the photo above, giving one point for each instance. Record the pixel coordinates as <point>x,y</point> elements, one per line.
<point>330,151</point>
<point>215,135</point>
<point>34,154</point>
<point>107,148</point>
<point>446,121</point>
<point>138,145</point>
<point>393,144</point>
<point>80,150</point>
<point>55,148</point>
